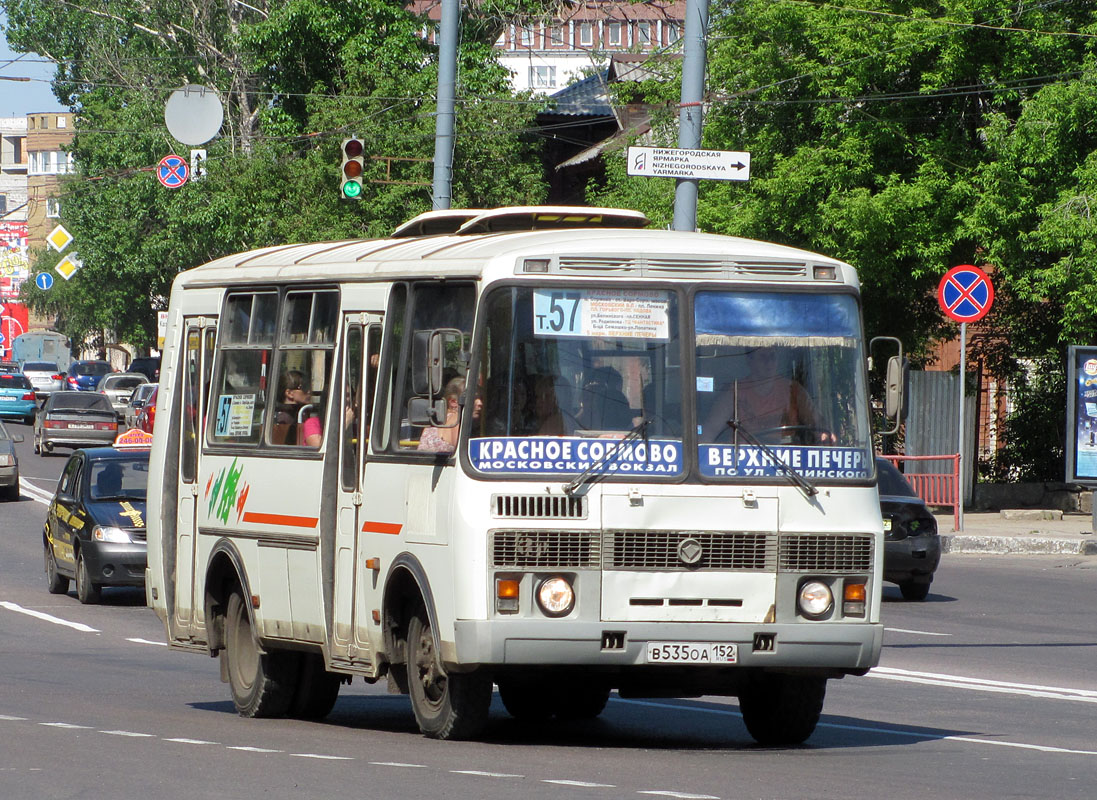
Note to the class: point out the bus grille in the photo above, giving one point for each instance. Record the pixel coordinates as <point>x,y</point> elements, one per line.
<point>538,506</point>
<point>718,550</point>
<point>818,552</point>
<point>544,549</point>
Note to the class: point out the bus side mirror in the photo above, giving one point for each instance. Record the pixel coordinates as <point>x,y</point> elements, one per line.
<point>423,411</point>
<point>895,389</point>
<point>426,363</point>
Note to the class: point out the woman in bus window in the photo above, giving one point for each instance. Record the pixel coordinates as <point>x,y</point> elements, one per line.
<point>444,439</point>
<point>294,398</point>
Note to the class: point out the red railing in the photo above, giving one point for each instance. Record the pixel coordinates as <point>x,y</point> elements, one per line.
<point>936,488</point>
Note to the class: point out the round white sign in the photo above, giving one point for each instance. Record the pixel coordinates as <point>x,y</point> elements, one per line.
<point>194,114</point>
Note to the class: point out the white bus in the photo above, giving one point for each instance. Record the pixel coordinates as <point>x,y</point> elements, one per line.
<point>543,449</point>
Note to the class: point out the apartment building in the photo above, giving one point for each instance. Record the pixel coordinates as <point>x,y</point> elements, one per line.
<point>47,135</point>
<point>14,267</point>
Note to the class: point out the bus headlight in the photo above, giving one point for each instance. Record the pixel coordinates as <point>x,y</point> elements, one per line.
<point>815,599</point>
<point>556,597</point>
<point>103,533</point>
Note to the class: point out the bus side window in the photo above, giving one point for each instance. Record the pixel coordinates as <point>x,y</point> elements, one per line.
<point>238,399</point>
<point>306,344</point>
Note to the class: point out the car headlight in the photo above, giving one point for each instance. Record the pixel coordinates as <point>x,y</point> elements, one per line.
<point>815,599</point>
<point>556,597</point>
<point>105,533</point>
<point>7,460</point>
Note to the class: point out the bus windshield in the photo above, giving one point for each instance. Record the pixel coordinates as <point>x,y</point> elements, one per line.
<point>567,372</point>
<point>785,368</point>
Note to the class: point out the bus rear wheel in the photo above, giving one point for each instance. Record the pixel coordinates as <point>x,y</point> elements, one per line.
<point>446,706</point>
<point>263,684</point>
<point>782,710</point>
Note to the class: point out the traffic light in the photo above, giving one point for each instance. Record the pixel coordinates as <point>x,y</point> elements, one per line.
<point>350,181</point>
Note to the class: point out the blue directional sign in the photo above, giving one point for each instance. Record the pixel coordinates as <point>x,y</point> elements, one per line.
<point>172,171</point>
<point>965,293</point>
<point>44,281</point>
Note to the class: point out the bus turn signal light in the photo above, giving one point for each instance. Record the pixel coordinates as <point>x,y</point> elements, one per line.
<point>853,600</point>
<point>506,595</point>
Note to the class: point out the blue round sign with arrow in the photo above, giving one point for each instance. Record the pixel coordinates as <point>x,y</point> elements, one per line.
<point>44,281</point>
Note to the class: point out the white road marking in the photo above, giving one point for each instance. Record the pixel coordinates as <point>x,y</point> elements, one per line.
<point>680,795</point>
<point>983,685</point>
<point>321,756</point>
<point>254,749</point>
<point>584,784</point>
<point>485,774</point>
<point>34,493</point>
<point>130,733</point>
<point>6,718</point>
<point>66,725</point>
<point>47,617</point>
<point>182,740</point>
<point>147,641</point>
<point>397,764</point>
<point>917,633</point>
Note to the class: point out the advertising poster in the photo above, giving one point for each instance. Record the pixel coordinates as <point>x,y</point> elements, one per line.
<point>1081,442</point>
<point>14,263</point>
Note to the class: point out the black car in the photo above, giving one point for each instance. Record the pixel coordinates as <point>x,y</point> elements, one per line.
<point>149,366</point>
<point>912,548</point>
<point>95,526</point>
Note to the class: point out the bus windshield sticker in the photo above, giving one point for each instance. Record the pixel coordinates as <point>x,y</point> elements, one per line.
<point>536,455</point>
<point>605,313</point>
<point>234,415</point>
<point>748,461</point>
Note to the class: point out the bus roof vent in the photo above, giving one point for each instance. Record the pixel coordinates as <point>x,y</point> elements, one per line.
<point>598,264</point>
<point>535,218</point>
<point>435,223</point>
<point>538,506</point>
<point>770,269</point>
<point>676,265</point>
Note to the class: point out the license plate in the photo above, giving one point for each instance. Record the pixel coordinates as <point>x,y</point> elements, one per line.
<point>887,524</point>
<point>5,399</point>
<point>81,426</point>
<point>123,398</point>
<point>692,653</point>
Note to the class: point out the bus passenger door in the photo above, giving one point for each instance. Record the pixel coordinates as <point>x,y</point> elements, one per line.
<point>191,408</point>
<point>361,346</point>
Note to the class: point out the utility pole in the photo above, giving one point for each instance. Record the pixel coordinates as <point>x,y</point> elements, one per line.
<point>691,109</point>
<point>447,92</point>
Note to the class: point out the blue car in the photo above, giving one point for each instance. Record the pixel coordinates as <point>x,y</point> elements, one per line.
<point>84,376</point>
<point>17,397</point>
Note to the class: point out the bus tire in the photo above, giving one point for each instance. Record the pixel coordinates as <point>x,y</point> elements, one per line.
<point>86,591</point>
<point>262,684</point>
<point>56,583</point>
<point>446,706</point>
<point>782,710</point>
<point>317,689</point>
<point>529,702</point>
<point>914,591</point>
<point>581,700</point>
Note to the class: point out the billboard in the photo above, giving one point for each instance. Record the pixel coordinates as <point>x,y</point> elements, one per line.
<point>14,258</point>
<point>1081,444</point>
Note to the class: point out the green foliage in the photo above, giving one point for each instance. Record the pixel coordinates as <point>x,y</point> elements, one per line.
<point>1034,432</point>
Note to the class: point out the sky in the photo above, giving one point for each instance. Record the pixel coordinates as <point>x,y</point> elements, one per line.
<point>18,98</point>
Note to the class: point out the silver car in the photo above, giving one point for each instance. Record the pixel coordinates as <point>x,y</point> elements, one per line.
<point>74,419</point>
<point>9,464</point>
<point>44,376</point>
<point>137,402</point>
<point>118,386</point>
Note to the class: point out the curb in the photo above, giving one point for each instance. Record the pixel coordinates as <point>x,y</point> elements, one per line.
<point>1012,545</point>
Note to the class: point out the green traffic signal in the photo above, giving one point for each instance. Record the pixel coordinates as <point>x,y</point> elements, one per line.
<point>352,189</point>
<point>354,165</point>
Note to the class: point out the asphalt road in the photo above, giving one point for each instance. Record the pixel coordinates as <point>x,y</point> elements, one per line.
<point>986,690</point>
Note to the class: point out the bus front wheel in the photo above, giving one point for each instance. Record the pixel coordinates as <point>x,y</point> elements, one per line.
<point>782,709</point>
<point>446,706</point>
<point>263,684</point>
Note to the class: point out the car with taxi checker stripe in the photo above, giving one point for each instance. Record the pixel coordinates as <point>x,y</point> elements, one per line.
<point>95,526</point>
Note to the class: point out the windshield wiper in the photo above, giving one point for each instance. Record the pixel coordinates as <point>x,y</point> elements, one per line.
<point>802,483</point>
<point>638,432</point>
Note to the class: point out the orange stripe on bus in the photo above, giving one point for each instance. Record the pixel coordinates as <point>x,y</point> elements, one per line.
<point>280,519</point>
<point>382,527</point>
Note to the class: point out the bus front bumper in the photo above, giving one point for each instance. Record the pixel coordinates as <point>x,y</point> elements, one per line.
<point>842,647</point>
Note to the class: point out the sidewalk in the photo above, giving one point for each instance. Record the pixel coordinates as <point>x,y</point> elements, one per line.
<point>1019,531</point>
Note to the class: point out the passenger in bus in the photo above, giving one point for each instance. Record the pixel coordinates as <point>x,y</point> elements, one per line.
<point>551,406</point>
<point>294,424</point>
<point>444,439</point>
<point>771,406</point>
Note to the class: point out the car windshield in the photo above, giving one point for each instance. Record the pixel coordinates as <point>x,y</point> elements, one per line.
<point>122,382</point>
<point>891,480</point>
<point>118,479</point>
<point>39,366</point>
<point>91,368</point>
<point>71,401</point>
<point>14,382</point>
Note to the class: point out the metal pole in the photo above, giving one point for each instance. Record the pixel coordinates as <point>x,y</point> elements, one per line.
<point>691,109</point>
<point>447,91</point>
<point>960,438</point>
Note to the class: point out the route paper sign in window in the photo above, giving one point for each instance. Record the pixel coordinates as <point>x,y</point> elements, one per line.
<point>609,313</point>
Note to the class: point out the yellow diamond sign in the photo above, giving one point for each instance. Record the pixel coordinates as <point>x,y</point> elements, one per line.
<point>68,265</point>
<point>59,239</point>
